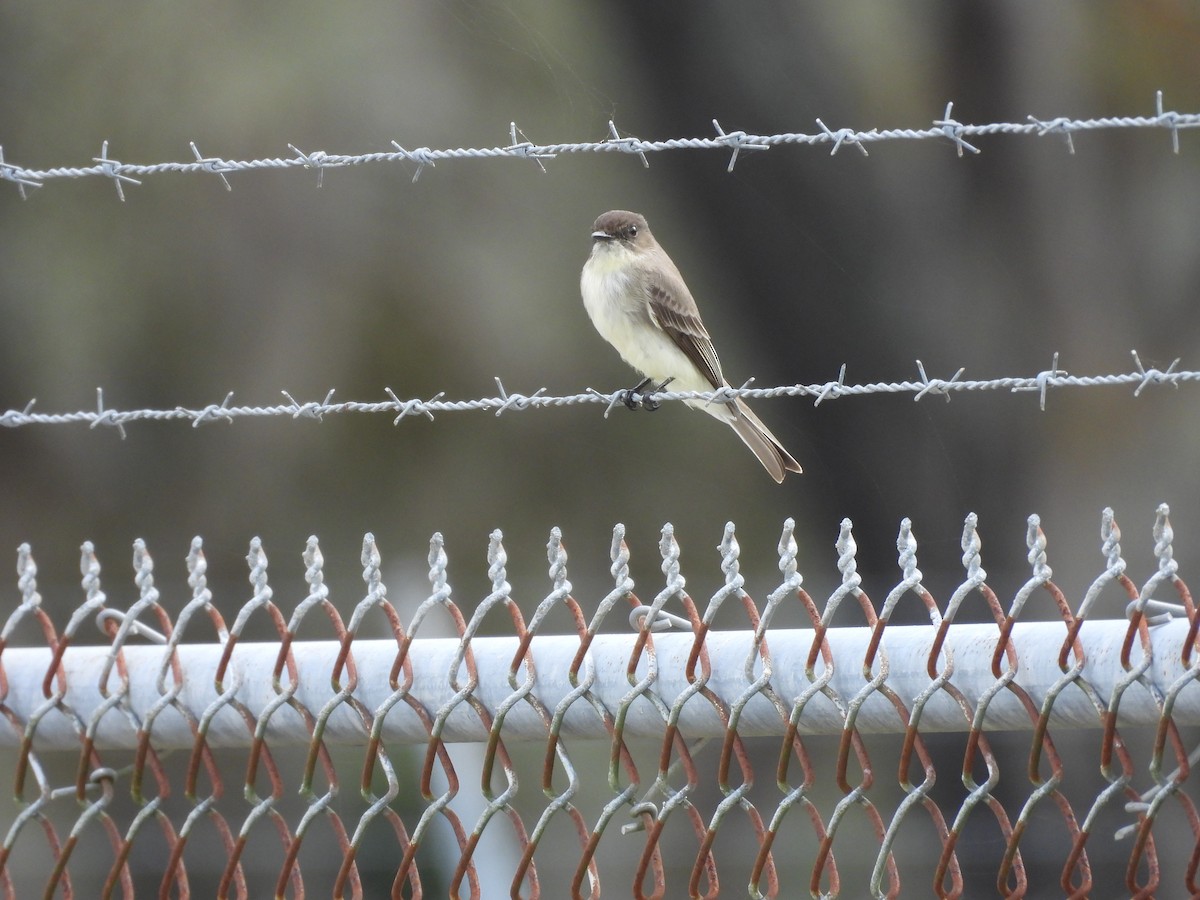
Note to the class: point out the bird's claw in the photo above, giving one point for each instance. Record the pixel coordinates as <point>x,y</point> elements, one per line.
<point>641,395</point>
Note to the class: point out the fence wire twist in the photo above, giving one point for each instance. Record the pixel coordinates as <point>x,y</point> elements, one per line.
<point>945,128</point>
<point>193,683</point>
<point>1041,384</point>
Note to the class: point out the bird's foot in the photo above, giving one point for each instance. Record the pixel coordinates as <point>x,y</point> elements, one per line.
<point>648,400</point>
<point>633,397</point>
<point>642,394</point>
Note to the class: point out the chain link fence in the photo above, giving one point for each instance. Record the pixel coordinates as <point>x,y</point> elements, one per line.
<point>1042,750</point>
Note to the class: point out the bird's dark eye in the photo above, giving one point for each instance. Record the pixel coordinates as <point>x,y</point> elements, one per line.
<point>631,231</point>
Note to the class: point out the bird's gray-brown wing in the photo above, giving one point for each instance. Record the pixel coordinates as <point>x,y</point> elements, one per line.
<point>674,311</point>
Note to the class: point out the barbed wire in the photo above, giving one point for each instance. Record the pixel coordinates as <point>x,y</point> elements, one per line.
<point>1041,383</point>
<point>945,128</point>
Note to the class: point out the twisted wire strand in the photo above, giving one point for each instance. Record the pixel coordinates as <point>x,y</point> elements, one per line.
<point>1140,378</point>
<point>945,128</point>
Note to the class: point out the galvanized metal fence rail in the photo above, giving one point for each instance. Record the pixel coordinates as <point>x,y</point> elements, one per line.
<point>666,757</point>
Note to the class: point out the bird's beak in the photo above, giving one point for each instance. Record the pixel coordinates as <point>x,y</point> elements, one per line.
<point>601,236</point>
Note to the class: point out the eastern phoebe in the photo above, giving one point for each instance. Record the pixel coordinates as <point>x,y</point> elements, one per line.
<point>638,302</point>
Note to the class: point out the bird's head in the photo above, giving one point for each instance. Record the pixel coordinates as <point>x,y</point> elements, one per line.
<point>619,229</point>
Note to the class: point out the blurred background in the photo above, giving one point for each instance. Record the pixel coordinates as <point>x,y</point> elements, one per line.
<point>799,261</point>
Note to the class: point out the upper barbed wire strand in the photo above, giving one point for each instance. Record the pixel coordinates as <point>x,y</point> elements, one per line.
<point>946,128</point>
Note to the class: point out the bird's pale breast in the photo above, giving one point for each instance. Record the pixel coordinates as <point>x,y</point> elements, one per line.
<point>618,310</point>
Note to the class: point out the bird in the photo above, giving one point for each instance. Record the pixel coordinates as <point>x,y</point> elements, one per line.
<point>638,301</point>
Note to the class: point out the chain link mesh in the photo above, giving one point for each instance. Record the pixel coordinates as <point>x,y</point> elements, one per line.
<point>645,750</point>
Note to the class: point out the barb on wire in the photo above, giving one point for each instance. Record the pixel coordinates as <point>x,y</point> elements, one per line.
<point>215,166</point>
<point>1059,125</point>
<point>114,169</point>
<point>421,156</point>
<point>1139,378</point>
<point>842,136</point>
<point>961,134</point>
<point>1149,376</point>
<point>315,160</point>
<point>105,416</point>
<point>936,385</point>
<point>9,173</point>
<point>739,141</point>
<point>526,148</point>
<point>310,410</point>
<point>1043,381</point>
<point>626,142</point>
<point>1167,119</point>
<point>212,412</point>
<point>954,130</point>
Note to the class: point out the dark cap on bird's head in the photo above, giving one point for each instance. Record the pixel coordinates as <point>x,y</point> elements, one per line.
<point>620,225</point>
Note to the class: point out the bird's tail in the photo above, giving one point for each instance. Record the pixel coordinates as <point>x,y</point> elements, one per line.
<point>762,443</point>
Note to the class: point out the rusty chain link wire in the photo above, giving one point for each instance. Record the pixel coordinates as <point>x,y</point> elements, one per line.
<point>1034,753</point>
